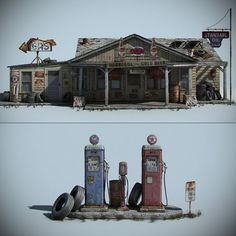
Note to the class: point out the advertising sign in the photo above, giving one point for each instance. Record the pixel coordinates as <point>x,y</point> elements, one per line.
<point>215,37</point>
<point>190,190</point>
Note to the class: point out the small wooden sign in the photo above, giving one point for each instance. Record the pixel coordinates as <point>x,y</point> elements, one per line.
<point>190,191</point>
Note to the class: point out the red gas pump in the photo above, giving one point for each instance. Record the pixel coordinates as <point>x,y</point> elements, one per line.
<point>152,169</point>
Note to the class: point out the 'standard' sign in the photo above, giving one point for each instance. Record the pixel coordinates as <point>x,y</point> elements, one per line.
<point>215,37</point>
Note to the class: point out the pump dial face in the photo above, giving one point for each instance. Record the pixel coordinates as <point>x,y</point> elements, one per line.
<point>152,139</point>
<point>94,139</point>
<point>151,164</point>
<point>93,163</point>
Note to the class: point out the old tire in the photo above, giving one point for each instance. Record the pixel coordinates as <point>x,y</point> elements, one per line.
<point>78,194</point>
<point>135,195</point>
<point>62,206</point>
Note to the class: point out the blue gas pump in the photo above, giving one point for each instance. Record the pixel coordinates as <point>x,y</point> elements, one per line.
<point>96,170</point>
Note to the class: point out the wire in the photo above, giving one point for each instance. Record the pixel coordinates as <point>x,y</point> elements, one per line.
<point>219,20</point>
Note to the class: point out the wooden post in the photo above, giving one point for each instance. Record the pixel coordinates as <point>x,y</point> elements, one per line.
<point>166,86</point>
<point>190,81</point>
<point>225,82</point>
<point>189,208</point>
<point>80,80</point>
<point>106,86</point>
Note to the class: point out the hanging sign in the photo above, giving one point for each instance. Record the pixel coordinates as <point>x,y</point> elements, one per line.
<point>215,37</point>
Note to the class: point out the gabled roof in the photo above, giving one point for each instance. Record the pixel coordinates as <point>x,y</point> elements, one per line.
<point>202,51</point>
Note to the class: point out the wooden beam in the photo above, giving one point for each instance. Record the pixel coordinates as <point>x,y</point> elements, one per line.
<point>190,81</point>
<point>106,86</point>
<point>80,80</point>
<point>166,86</point>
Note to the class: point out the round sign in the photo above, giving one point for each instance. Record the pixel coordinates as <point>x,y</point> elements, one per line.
<point>152,139</point>
<point>94,139</point>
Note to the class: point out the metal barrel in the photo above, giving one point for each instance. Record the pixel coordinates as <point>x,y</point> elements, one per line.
<point>115,193</point>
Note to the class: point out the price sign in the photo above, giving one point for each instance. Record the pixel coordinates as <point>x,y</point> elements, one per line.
<point>190,191</point>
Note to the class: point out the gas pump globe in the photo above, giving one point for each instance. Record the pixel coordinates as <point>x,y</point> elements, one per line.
<point>152,169</point>
<point>95,173</point>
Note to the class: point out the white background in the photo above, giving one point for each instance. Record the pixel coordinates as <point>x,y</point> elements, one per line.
<point>41,149</point>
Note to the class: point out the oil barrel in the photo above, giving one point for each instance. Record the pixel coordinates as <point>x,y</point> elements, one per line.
<point>115,193</point>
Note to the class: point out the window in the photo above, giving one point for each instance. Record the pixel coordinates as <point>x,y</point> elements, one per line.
<point>100,79</point>
<point>26,80</point>
<point>115,77</point>
<point>115,84</point>
<point>156,79</point>
<point>184,78</point>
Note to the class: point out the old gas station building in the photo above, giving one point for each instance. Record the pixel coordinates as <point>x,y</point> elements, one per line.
<point>129,70</point>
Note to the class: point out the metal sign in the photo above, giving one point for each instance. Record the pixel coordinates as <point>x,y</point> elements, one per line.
<point>215,37</point>
<point>190,191</point>
<point>37,45</point>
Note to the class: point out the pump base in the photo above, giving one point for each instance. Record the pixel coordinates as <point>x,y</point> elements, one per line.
<point>99,208</point>
<point>152,209</point>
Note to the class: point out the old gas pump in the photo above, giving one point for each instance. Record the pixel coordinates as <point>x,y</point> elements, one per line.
<point>123,171</point>
<point>152,169</point>
<point>96,170</point>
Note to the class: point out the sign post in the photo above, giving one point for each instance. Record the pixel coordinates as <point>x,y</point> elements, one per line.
<point>216,36</point>
<point>190,192</point>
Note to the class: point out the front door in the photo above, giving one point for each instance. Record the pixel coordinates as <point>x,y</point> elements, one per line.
<point>53,86</point>
<point>134,86</point>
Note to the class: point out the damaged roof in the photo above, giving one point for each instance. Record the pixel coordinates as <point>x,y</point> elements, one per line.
<point>196,48</point>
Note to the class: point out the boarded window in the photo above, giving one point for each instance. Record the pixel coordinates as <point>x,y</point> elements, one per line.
<point>26,80</point>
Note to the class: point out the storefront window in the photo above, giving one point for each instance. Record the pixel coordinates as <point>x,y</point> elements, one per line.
<point>100,79</point>
<point>115,84</point>
<point>156,79</point>
<point>26,81</point>
<point>184,78</point>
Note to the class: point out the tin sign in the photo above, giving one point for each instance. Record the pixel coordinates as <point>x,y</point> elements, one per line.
<point>190,191</point>
<point>215,37</point>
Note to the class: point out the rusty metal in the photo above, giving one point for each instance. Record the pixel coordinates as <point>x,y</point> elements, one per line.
<point>152,169</point>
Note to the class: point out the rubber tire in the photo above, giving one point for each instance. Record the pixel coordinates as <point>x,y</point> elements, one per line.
<point>135,195</point>
<point>62,206</point>
<point>78,194</point>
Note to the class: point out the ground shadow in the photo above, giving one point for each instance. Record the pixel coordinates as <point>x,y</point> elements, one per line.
<point>41,207</point>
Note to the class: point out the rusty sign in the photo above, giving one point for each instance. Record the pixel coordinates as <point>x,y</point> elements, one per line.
<point>215,37</point>
<point>190,191</point>
<point>37,45</point>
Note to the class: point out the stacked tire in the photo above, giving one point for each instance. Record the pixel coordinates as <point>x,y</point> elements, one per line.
<point>66,203</point>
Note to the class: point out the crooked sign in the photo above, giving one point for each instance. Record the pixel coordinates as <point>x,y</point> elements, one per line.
<point>215,37</point>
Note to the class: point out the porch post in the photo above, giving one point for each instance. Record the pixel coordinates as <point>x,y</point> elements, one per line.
<point>80,80</point>
<point>166,85</point>
<point>190,81</point>
<point>225,82</point>
<point>106,86</point>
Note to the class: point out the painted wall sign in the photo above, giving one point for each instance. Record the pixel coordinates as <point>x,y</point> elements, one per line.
<point>190,190</point>
<point>153,49</point>
<point>121,49</point>
<point>215,37</point>
<point>137,51</point>
<point>15,76</point>
<point>39,74</point>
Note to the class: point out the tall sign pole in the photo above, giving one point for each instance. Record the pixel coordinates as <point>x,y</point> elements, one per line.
<point>230,56</point>
<point>216,36</point>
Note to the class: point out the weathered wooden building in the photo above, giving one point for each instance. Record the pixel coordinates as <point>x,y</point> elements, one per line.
<point>128,70</point>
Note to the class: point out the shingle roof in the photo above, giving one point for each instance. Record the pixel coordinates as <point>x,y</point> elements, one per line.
<point>203,52</point>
